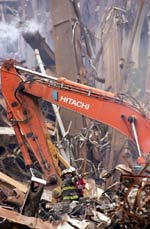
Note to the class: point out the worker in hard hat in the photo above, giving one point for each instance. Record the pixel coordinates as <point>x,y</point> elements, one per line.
<point>69,189</point>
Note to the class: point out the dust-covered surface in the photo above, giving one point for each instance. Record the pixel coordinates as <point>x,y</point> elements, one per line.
<point>110,41</point>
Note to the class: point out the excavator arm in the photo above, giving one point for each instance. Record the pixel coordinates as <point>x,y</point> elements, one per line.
<point>22,93</point>
<point>96,104</point>
<point>29,124</point>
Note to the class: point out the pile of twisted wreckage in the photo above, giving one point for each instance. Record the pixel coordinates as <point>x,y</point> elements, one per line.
<point>123,204</point>
<point>119,198</point>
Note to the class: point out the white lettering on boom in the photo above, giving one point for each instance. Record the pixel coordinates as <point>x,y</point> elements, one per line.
<point>75,102</point>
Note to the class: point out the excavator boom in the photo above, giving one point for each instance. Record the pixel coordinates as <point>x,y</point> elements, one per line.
<point>96,104</point>
<point>22,94</point>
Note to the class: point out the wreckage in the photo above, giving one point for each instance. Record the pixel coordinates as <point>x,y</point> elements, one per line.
<point>132,197</point>
<point>116,198</point>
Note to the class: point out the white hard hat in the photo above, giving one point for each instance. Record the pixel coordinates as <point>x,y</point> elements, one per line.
<point>70,170</point>
<point>65,171</point>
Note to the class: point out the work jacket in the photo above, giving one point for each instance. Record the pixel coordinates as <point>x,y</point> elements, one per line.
<point>69,190</point>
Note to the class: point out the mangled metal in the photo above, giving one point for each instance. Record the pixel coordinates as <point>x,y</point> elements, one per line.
<point>127,205</point>
<point>124,203</point>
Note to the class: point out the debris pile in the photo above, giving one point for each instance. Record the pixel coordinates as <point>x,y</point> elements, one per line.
<point>125,203</point>
<point>96,32</point>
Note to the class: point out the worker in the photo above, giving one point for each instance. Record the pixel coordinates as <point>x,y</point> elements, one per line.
<point>69,189</point>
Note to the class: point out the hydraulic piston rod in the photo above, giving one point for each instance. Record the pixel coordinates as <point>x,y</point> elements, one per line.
<point>35,73</point>
<point>132,121</point>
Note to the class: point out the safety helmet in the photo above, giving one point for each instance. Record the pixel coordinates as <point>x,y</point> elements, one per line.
<point>66,171</point>
<point>71,169</point>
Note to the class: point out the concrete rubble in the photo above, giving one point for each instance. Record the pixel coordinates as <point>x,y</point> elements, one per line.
<point>123,203</point>
<point>117,193</point>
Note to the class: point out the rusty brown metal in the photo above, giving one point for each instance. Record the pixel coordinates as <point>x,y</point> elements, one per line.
<point>136,196</point>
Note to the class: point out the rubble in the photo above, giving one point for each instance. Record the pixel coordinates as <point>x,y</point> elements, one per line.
<point>110,200</point>
<point>128,204</point>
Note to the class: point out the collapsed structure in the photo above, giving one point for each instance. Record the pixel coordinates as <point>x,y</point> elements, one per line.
<point>122,204</point>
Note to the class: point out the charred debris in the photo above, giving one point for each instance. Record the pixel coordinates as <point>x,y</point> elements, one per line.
<point>103,44</point>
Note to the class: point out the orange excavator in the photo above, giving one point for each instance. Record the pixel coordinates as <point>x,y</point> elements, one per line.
<point>23,89</point>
